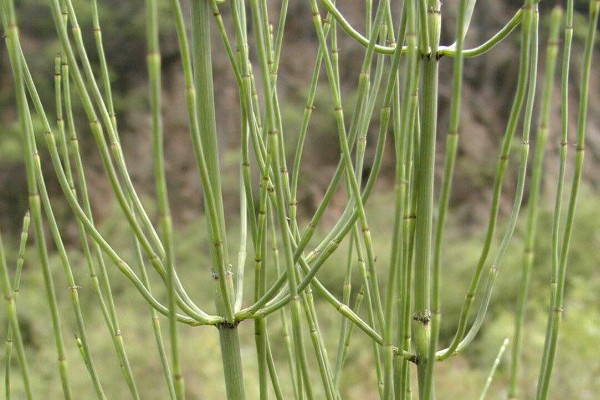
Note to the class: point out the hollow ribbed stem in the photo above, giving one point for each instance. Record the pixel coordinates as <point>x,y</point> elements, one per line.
<point>108,308</point>
<point>558,300</point>
<point>84,216</point>
<point>489,44</point>
<point>529,252</point>
<point>11,304</point>
<point>563,146</point>
<point>490,377</point>
<point>14,329</point>
<point>12,38</point>
<point>424,222</point>
<point>97,131</point>
<point>153,59</point>
<point>92,92</point>
<point>205,143</point>
<point>518,199</point>
<point>500,171</point>
<point>464,11</point>
<point>156,327</point>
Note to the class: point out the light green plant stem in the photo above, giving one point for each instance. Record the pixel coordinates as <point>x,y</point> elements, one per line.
<point>205,144</point>
<point>536,178</point>
<point>405,339</point>
<point>109,313</point>
<point>350,174</point>
<point>346,293</point>
<point>350,330</point>
<point>344,224</point>
<point>82,216</point>
<point>332,243</point>
<point>109,168</point>
<point>361,118</point>
<point>330,190</point>
<point>242,252</point>
<point>335,180</point>
<point>279,205</point>
<point>269,356</point>
<point>497,263</point>
<point>489,44</point>
<point>295,374</point>
<point>273,373</point>
<point>72,286</point>
<point>12,38</point>
<point>423,38</point>
<point>401,126</point>
<point>156,327</point>
<point>490,377</point>
<point>166,224</point>
<point>232,362</point>
<point>273,158</point>
<point>15,331</point>
<point>103,63</point>
<point>464,13</point>
<point>465,21</point>
<point>404,106</point>
<point>120,263</point>
<point>15,292</point>
<point>563,146</point>
<point>424,222</point>
<point>260,276</point>
<point>344,24</point>
<point>108,119</point>
<point>558,301</point>
<point>344,143</point>
<point>371,318</point>
<point>500,172</point>
<point>116,330</point>
<point>331,392</point>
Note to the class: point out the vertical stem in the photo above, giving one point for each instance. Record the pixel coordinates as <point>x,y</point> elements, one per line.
<point>232,361</point>
<point>228,333</point>
<point>529,252</point>
<point>557,306</point>
<point>424,222</point>
<point>11,303</point>
<point>207,137</point>
<point>12,37</point>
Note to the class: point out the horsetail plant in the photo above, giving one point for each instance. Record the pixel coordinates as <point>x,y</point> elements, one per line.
<point>402,51</point>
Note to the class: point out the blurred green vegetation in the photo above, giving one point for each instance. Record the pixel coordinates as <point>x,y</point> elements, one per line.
<point>577,367</point>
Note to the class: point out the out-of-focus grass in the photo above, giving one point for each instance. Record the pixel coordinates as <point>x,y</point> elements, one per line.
<point>462,377</point>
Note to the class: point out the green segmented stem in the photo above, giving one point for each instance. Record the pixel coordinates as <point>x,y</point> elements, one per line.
<point>199,316</point>
<point>490,377</point>
<point>109,313</point>
<point>568,38</point>
<point>500,171</point>
<point>105,115</point>
<point>14,329</point>
<point>402,320</point>
<point>551,342</point>
<point>496,264</point>
<point>11,304</point>
<point>156,327</point>
<point>464,13</point>
<point>12,38</point>
<point>536,178</point>
<point>176,384</point>
<point>424,221</point>
<point>109,168</point>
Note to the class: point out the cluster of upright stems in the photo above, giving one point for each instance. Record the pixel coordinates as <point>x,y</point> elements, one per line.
<point>400,74</point>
